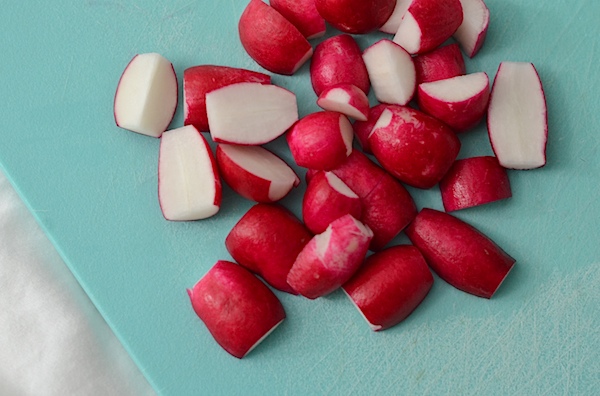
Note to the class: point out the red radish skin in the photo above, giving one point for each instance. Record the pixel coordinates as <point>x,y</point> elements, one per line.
<point>390,286</point>
<point>321,140</point>
<point>338,60</point>
<point>255,173</point>
<point>303,14</point>
<point>439,64</point>
<point>414,147</point>
<point>200,80</point>
<point>393,23</point>
<point>471,33</point>
<point>360,173</point>
<point>459,253</point>
<point>330,258</point>
<point>459,102</point>
<point>236,307</point>
<point>271,40</point>
<point>347,99</point>
<point>310,173</point>
<point>474,181</point>
<point>356,16</point>
<point>362,129</point>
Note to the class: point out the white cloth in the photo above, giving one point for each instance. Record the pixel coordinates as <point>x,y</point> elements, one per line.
<point>52,339</point>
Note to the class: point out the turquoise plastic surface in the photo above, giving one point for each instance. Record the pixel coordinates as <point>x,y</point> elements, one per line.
<point>93,187</point>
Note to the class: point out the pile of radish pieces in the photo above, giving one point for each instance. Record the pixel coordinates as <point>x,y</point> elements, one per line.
<point>352,204</point>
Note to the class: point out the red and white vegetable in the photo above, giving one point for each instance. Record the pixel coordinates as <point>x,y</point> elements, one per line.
<point>303,14</point>
<point>347,99</point>
<point>356,16</point>
<point>362,129</point>
<point>393,23</point>
<point>473,29</point>
<point>439,64</point>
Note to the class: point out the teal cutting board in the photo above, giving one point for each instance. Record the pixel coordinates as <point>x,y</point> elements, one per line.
<point>93,188</point>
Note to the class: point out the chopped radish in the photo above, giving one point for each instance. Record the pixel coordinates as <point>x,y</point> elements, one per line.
<point>146,96</point>
<point>439,64</point>
<point>266,240</point>
<point>389,286</point>
<point>427,24</point>
<point>237,308</point>
<point>347,99</point>
<point>393,23</point>
<point>460,102</point>
<point>255,173</point>
<point>459,253</point>
<point>326,199</point>
<point>189,187</point>
<point>321,140</point>
<point>271,40</point>
<point>338,60</point>
<point>474,181</point>
<point>330,258</point>
<point>362,129</point>
<point>200,80</point>
<point>250,113</point>
<point>471,33</point>
<point>356,16</point>
<point>360,173</point>
<point>517,119</point>
<point>392,72</point>
<point>414,147</point>
<point>303,14</point>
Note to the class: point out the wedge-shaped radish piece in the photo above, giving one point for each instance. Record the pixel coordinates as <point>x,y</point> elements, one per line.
<point>393,23</point>
<point>439,64</point>
<point>326,199</point>
<point>250,113</point>
<point>347,99</point>
<point>362,129</point>
<point>303,14</point>
<point>255,173</point>
<point>266,240</point>
<point>474,181</point>
<point>321,140</point>
<point>460,102</point>
<point>392,72</point>
<point>271,40</point>
<point>356,16</point>
<point>390,286</point>
<point>427,24</point>
<point>330,258</point>
<point>237,308</point>
<point>471,33</point>
<point>414,147</point>
<point>146,96</point>
<point>517,119</point>
<point>200,80</point>
<point>338,60</point>
<point>459,253</point>
<point>189,187</point>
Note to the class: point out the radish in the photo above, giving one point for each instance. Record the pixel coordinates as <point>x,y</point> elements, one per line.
<point>414,147</point>
<point>255,173</point>
<point>392,72</point>
<point>330,258</point>
<point>189,187</point>
<point>347,99</point>
<point>439,64</point>
<point>321,140</point>
<point>460,102</point>
<point>474,181</point>
<point>389,286</point>
<point>362,129</point>
<point>393,23</point>
<point>250,113</point>
<point>200,80</point>
<point>266,240</point>
<point>303,14</point>
<point>471,33</point>
<point>237,308</point>
<point>338,60</point>
<point>146,96</point>
<point>310,173</point>
<point>356,16</point>
<point>517,119</point>
<point>326,199</point>
<point>459,253</point>
<point>271,40</point>
<point>360,173</point>
<point>427,24</point>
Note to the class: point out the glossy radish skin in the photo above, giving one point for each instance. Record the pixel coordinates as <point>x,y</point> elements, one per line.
<point>362,129</point>
<point>356,16</point>
<point>255,173</point>
<point>347,99</point>
<point>360,173</point>
<point>266,240</point>
<point>460,254</point>
<point>474,181</point>
<point>390,286</point>
<point>393,23</point>
<point>473,29</point>
<point>439,64</point>
<point>303,14</point>
<point>271,40</point>
<point>236,307</point>
<point>200,80</point>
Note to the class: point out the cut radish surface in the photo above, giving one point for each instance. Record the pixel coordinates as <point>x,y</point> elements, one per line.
<point>356,16</point>
<point>347,99</point>
<point>393,23</point>
<point>189,187</point>
<point>517,119</point>
<point>250,113</point>
<point>439,64</point>
<point>471,33</point>
<point>303,14</point>
<point>146,96</point>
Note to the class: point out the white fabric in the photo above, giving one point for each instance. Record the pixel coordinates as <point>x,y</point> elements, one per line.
<point>52,339</point>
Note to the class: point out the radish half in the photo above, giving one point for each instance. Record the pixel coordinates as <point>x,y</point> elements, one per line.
<point>347,99</point>
<point>471,33</point>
